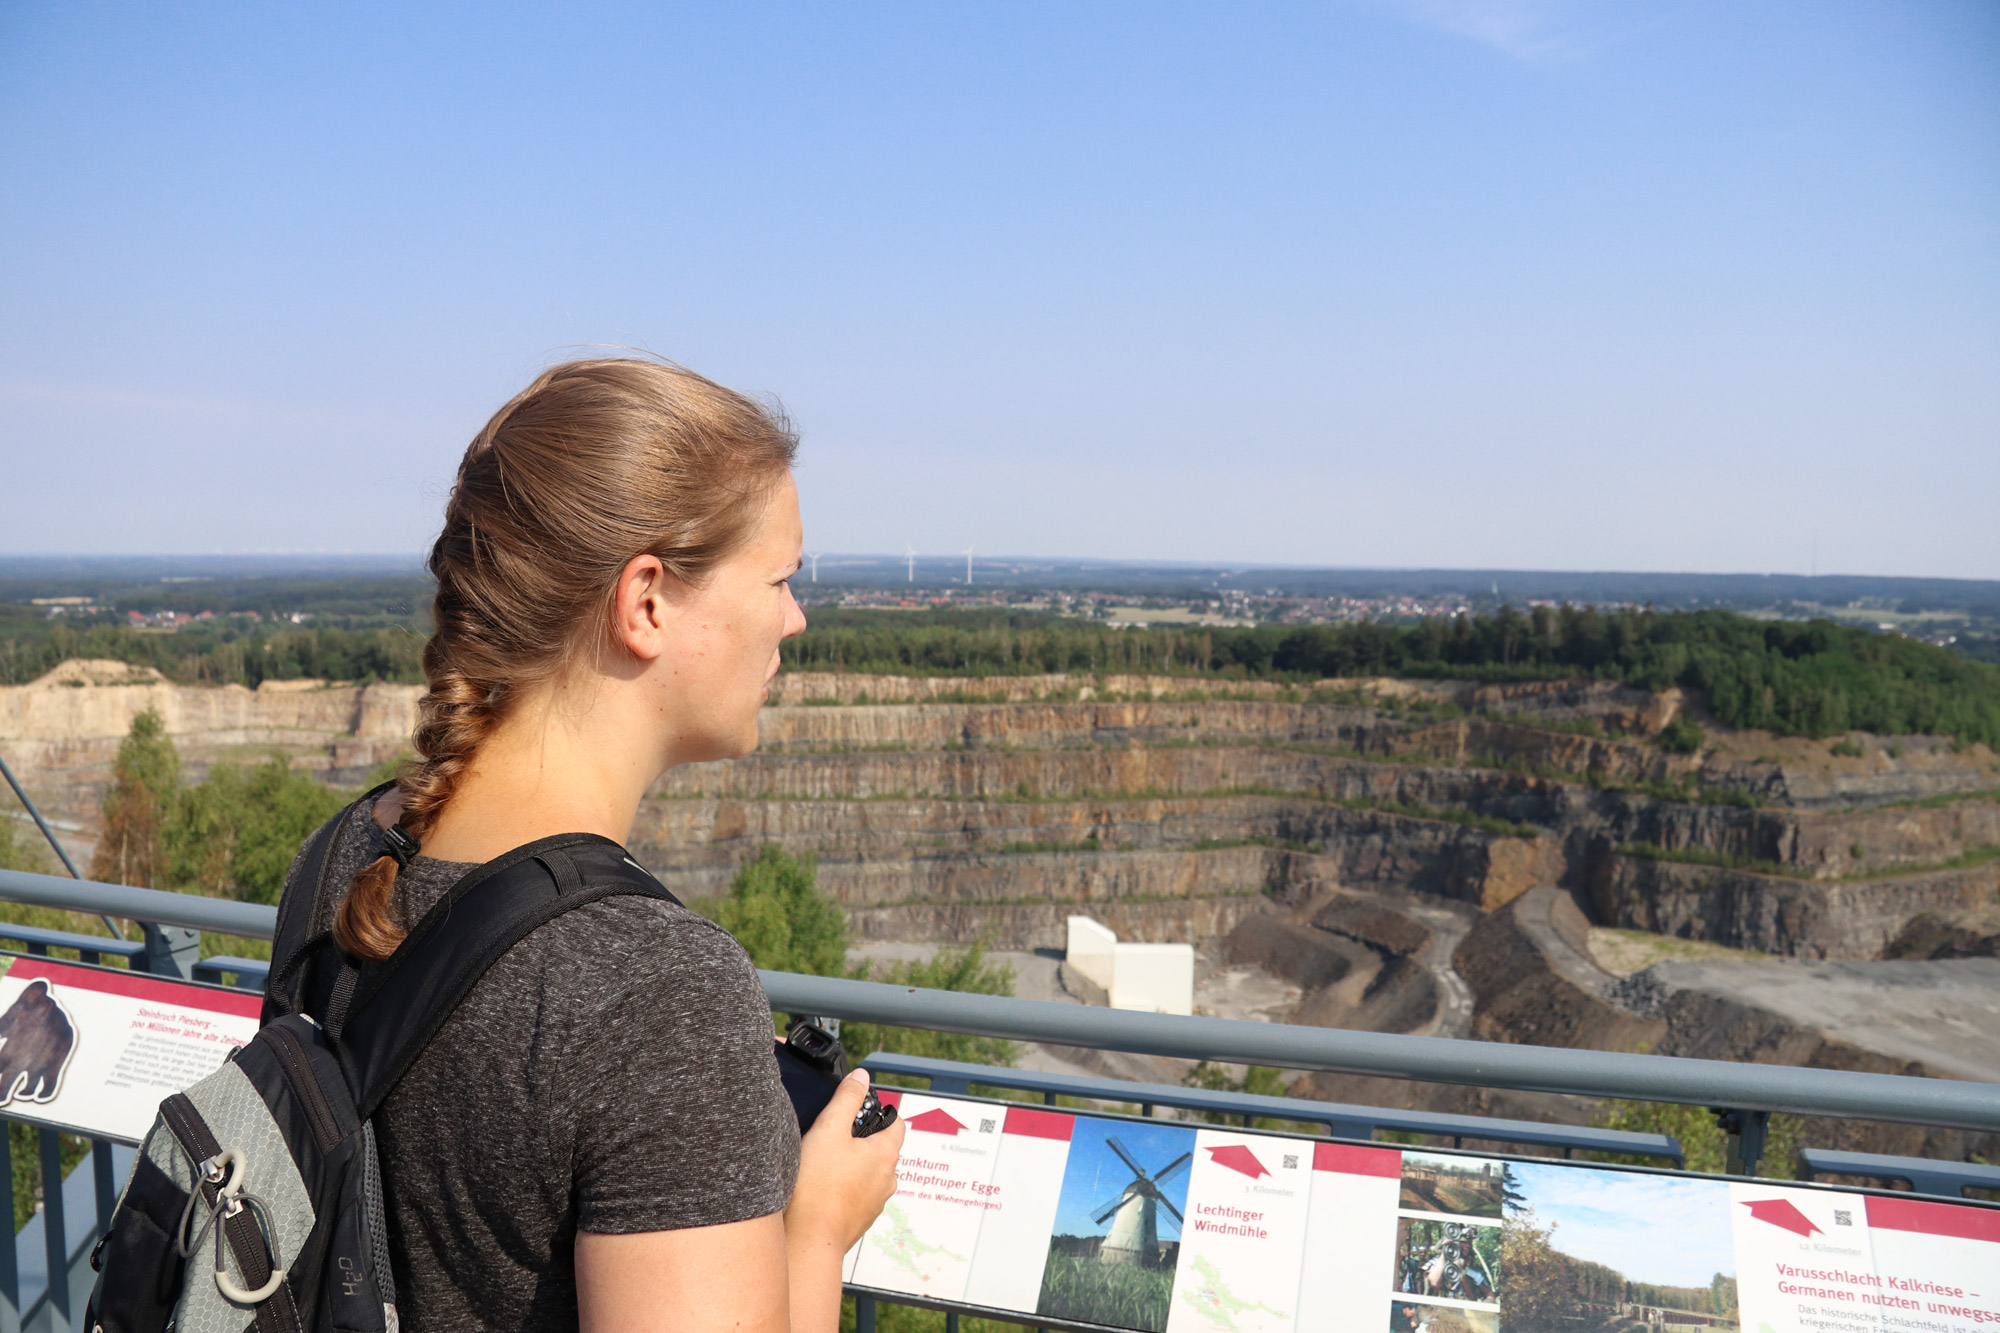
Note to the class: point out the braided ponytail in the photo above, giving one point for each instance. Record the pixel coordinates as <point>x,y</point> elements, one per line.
<point>594,464</point>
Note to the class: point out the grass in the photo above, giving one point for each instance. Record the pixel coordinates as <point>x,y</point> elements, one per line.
<point>1624,952</point>
<point>1702,856</point>
<point>1966,860</point>
<point>1282,844</point>
<point>909,1319</point>
<point>1976,856</point>
<point>1078,1287</point>
<point>1938,802</point>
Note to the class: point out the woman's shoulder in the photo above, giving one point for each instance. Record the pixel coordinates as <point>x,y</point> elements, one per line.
<point>637,935</point>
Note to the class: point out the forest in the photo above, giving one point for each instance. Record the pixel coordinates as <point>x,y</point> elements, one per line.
<point>1807,678</point>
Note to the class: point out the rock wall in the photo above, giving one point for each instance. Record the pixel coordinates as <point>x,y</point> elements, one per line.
<point>61,732</point>
<point>1534,981</point>
<point>1873,1017</point>
<point>1854,919</point>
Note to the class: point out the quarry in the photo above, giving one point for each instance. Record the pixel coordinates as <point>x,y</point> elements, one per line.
<point>1512,862</point>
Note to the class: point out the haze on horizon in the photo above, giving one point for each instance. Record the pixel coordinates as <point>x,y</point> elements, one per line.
<point>1490,284</point>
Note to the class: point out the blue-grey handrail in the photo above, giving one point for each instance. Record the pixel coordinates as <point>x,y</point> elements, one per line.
<point>1654,1078</point>
<point>948,1077</point>
<point>221,915</point>
<point>1651,1078</point>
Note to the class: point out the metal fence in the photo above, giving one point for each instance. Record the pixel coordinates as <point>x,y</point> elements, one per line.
<point>58,1238</point>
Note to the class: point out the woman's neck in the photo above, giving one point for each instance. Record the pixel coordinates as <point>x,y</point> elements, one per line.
<point>540,773</point>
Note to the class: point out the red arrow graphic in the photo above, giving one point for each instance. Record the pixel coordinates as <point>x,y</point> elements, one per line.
<point>1780,1213</point>
<point>1238,1158</point>
<point>937,1120</point>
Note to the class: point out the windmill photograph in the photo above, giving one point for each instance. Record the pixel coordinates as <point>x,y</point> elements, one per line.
<point>1118,1225</point>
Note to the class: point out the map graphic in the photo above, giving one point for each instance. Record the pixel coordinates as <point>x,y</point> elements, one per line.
<point>899,1242</point>
<point>1210,1297</point>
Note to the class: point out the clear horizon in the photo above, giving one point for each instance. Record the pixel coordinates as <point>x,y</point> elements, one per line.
<point>1537,285</point>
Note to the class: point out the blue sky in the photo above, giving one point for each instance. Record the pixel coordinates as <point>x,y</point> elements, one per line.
<point>1666,1230</point>
<point>1513,283</point>
<point>1094,1175</point>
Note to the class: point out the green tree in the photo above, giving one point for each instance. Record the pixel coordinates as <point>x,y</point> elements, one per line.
<point>1703,1140</point>
<point>1543,1284</point>
<point>145,784</point>
<point>1257,1080</point>
<point>21,847</point>
<point>783,920</point>
<point>777,913</point>
<point>236,833</point>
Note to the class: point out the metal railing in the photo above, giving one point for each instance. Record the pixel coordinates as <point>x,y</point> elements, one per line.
<point>1338,1120</point>
<point>1748,1094</point>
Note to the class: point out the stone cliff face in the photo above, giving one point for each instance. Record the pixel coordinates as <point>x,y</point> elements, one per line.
<point>61,732</point>
<point>1856,919</point>
<point>1416,856</point>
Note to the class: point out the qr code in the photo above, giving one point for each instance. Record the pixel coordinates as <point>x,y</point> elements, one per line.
<point>1291,1161</point>
<point>1843,1218</point>
<point>986,1127</point>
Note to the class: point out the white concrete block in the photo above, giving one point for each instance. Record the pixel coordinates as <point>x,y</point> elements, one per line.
<point>1158,978</point>
<point>1092,949</point>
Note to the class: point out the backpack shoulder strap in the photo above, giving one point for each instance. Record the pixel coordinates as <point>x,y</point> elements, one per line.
<point>298,907</point>
<point>398,1005</point>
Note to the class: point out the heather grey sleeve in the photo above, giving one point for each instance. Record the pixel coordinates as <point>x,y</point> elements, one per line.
<point>681,1120</point>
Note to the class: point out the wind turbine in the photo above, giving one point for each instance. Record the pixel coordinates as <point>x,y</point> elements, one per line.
<point>910,557</point>
<point>814,557</point>
<point>968,566</point>
<point>1135,1234</point>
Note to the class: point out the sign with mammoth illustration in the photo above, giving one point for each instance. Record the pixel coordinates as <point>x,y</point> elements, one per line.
<point>95,1049</point>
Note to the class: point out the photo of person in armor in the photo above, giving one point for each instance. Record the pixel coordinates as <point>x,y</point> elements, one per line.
<point>1459,1261</point>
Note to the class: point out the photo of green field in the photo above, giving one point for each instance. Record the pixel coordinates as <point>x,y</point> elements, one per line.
<point>1079,1286</point>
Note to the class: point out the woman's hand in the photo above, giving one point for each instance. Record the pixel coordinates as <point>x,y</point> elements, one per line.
<point>843,1181</point>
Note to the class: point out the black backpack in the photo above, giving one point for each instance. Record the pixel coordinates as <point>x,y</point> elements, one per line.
<point>256,1198</point>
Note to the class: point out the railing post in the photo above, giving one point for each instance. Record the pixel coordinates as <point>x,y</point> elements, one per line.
<point>106,1181</point>
<point>1746,1131</point>
<point>10,1267</point>
<point>55,1232</point>
<point>172,951</point>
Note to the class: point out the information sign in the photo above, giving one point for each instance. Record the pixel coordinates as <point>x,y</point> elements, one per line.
<point>1167,1227</point>
<point>95,1049</point>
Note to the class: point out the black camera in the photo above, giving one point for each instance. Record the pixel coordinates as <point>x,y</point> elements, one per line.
<point>811,1063</point>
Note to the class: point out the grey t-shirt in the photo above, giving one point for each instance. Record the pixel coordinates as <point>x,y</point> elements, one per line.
<point>611,1073</point>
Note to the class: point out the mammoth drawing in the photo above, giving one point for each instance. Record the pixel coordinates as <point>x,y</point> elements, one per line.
<point>36,1038</point>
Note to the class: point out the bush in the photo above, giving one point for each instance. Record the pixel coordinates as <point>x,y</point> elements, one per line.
<point>776,910</point>
<point>1703,1141</point>
<point>233,835</point>
<point>1683,735</point>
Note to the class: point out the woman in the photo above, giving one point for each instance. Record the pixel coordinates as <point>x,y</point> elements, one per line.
<point>599,1135</point>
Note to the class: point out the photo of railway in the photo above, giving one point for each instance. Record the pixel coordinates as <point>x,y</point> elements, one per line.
<point>1464,1186</point>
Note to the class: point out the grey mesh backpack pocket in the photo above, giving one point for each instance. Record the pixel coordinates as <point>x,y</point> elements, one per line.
<point>251,1204</point>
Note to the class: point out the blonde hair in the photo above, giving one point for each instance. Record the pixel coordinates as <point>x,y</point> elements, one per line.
<point>595,463</point>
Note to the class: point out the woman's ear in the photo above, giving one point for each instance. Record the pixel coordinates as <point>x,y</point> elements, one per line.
<point>642,606</point>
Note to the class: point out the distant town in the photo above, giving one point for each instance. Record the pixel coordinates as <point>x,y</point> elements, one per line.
<point>164,594</point>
